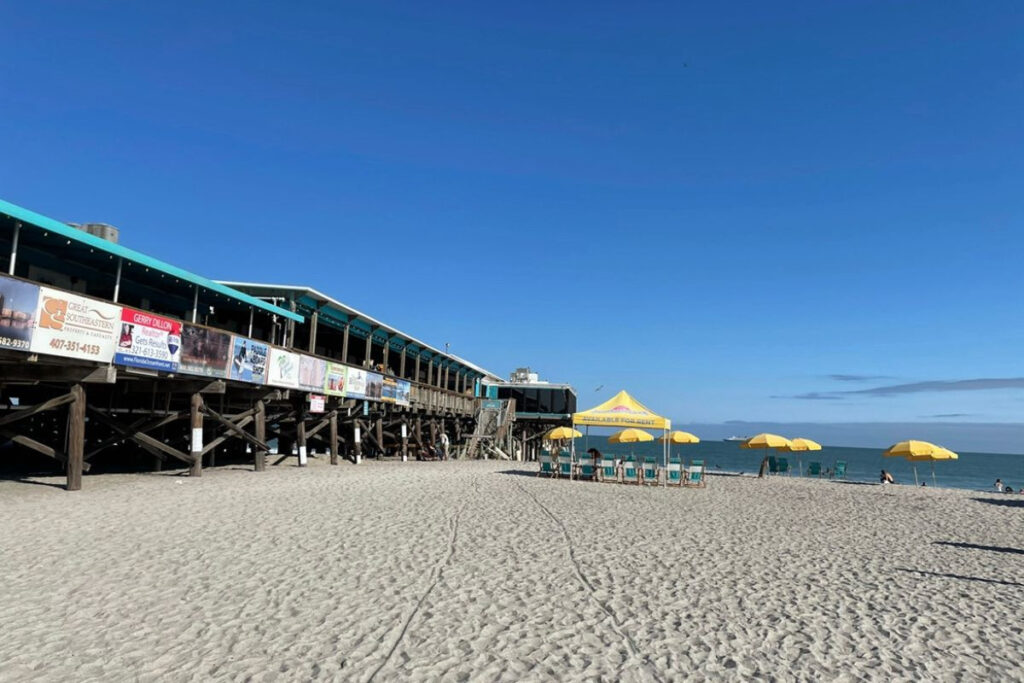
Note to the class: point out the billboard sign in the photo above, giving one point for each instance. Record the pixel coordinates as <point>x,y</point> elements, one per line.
<point>403,392</point>
<point>389,390</point>
<point>283,369</point>
<point>73,326</point>
<point>248,360</point>
<point>317,403</point>
<point>148,341</point>
<point>18,304</point>
<point>336,379</point>
<point>204,351</point>
<point>312,373</point>
<point>374,386</point>
<point>355,383</point>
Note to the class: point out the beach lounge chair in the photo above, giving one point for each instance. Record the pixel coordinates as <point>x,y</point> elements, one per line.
<point>782,466</point>
<point>695,474</point>
<point>650,471</point>
<point>674,472</point>
<point>773,465</point>
<point>565,464</point>
<point>839,472</point>
<point>814,469</point>
<point>547,465</point>
<point>608,473</point>
<point>630,472</point>
<point>585,468</point>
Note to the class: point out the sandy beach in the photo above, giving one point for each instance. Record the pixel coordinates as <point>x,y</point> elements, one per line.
<point>474,571</point>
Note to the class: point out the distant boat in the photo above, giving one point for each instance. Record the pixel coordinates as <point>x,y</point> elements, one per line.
<point>736,438</point>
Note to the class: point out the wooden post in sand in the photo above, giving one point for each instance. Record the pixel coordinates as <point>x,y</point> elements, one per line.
<point>76,438</point>
<point>300,428</point>
<point>357,439</point>
<point>405,441</point>
<point>333,437</point>
<point>260,455</point>
<point>196,469</point>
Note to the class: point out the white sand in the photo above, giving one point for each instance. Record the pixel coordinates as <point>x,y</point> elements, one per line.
<point>458,571</point>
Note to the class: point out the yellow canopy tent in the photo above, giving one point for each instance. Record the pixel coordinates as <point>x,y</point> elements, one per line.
<point>622,410</point>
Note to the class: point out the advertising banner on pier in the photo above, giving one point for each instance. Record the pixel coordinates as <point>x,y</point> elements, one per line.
<point>204,351</point>
<point>389,390</point>
<point>312,373</point>
<point>73,326</point>
<point>336,379</point>
<point>248,360</point>
<point>148,341</point>
<point>355,383</point>
<point>283,369</point>
<point>374,386</point>
<point>18,303</point>
<point>403,392</point>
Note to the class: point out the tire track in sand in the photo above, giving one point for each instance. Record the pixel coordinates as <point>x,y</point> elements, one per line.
<point>591,592</point>
<point>435,578</point>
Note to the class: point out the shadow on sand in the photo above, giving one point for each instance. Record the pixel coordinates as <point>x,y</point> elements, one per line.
<point>26,480</point>
<point>975,546</point>
<point>960,577</point>
<point>1008,502</point>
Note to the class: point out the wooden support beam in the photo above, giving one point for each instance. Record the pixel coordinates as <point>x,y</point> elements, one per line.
<point>39,447</point>
<point>29,412</point>
<point>417,371</point>
<point>196,438</point>
<point>143,424</point>
<point>401,364</point>
<point>380,436</point>
<point>300,429</point>
<point>260,454</point>
<point>128,432</point>
<point>313,319</point>
<point>76,438</point>
<point>334,437</point>
<point>344,344</point>
<point>236,427</point>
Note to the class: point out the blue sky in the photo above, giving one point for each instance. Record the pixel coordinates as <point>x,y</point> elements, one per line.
<point>718,207</point>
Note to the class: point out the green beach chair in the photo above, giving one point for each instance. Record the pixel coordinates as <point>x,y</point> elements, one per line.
<point>650,470</point>
<point>674,472</point>
<point>609,473</point>
<point>565,464</point>
<point>773,465</point>
<point>630,472</point>
<point>547,464</point>
<point>839,472</point>
<point>782,466</point>
<point>814,469</point>
<point>695,474</point>
<point>585,468</point>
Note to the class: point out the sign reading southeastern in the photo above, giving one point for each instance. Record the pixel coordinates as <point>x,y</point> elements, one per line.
<point>312,373</point>
<point>248,360</point>
<point>18,304</point>
<point>73,326</point>
<point>283,369</point>
<point>148,341</point>
<point>204,351</point>
<point>336,379</point>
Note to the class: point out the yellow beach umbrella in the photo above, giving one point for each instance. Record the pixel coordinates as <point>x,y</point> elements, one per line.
<point>799,445</point>
<point>630,436</point>
<point>913,450</point>
<point>562,433</point>
<point>939,453</point>
<point>909,449</point>
<point>680,437</point>
<point>765,441</point>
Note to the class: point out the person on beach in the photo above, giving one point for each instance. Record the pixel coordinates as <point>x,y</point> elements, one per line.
<point>886,478</point>
<point>999,485</point>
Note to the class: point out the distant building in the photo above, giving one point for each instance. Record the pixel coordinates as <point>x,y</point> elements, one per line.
<point>102,230</point>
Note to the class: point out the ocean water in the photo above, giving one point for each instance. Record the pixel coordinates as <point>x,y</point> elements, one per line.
<point>975,471</point>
